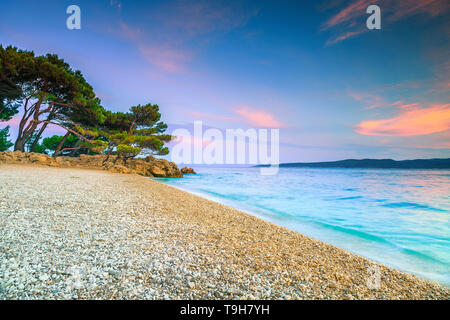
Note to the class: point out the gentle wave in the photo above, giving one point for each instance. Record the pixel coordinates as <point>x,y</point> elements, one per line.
<point>410,205</point>
<point>397,217</point>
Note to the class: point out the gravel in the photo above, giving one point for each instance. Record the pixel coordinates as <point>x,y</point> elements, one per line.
<point>87,234</point>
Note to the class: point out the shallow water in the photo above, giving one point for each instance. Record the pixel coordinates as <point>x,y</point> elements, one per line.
<point>400,218</point>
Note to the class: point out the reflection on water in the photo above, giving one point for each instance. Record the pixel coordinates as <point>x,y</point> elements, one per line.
<point>398,217</point>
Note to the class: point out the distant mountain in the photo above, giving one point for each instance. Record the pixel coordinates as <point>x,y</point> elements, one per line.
<point>373,163</point>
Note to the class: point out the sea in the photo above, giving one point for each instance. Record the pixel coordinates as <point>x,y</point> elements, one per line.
<point>400,218</point>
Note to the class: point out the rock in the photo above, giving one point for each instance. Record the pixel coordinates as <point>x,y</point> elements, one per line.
<point>149,167</point>
<point>187,170</point>
<point>120,169</point>
<point>44,277</point>
<point>157,171</point>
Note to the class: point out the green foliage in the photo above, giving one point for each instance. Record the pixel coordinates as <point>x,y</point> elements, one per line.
<point>95,147</point>
<point>7,109</point>
<point>52,143</point>
<point>127,151</point>
<point>37,148</point>
<point>139,131</point>
<point>5,144</point>
<point>50,92</point>
<point>15,70</point>
<point>8,94</point>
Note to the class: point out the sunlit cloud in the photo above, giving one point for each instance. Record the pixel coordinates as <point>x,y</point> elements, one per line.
<point>244,114</point>
<point>344,36</point>
<point>192,141</point>
<point>127,31</point>
<point>203,115</point>
<point>409,106</point>
<point>430,8</point>
<point>371,101</point>
<point>350,12</point>
<point>409,123</point>
<point>162,44</point>
<point>403,105</point>
<point>259,118</point>
<point>349,21</point>
<point>194,18</point>
<point>165,58</point>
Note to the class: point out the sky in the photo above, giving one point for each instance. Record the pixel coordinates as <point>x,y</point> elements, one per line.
<point>313,69</point>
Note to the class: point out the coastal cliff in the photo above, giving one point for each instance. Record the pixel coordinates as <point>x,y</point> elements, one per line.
<point>148,167</point>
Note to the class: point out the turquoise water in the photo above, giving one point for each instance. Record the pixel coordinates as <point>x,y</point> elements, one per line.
<point>400,218</point>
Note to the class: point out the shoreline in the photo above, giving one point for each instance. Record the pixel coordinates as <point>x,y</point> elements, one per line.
<point>136,238</point>
<point>266,215</point>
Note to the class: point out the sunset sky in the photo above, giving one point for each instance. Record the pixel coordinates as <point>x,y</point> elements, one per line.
<point>311,68</point>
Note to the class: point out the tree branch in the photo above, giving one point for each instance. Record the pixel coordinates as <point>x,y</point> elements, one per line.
<point>68,129</point>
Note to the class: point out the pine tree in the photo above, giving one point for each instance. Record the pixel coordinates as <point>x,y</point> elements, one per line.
<point>5,144</point>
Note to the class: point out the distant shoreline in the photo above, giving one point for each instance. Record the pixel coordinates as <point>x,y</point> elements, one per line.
<point>443,163</point>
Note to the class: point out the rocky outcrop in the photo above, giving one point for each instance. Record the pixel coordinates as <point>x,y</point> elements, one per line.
<point>149,167</point>
<point>186,170</point>
<point>29,158</point>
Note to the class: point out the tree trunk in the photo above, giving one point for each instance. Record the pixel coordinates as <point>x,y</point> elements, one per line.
<point>108,154</point>
<point>44,126</point>
<point>25,132</point>
<point>76,149</point>
<point>36,141</point>
<point>60,145</point>
<point>20,144</point>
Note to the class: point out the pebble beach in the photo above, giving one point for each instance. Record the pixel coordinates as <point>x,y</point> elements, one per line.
<point>70,233</point>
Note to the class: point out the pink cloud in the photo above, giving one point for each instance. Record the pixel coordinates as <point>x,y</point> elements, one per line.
<point>392,11</point>
<point>194,18</point>
<point>129,32</point>
<point>408,106</point>
<point>177,24</point>
<point>344,36</point>
<point>352,11</point>
<point>165,58</point>
<point>254,117</point>
<point>402,105</point>
<point>406,8</point>
<point>202,115</point>
<point>192,141</point>
<point>409,122</point>
<point>372,101</point>
<point>259,118</point>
